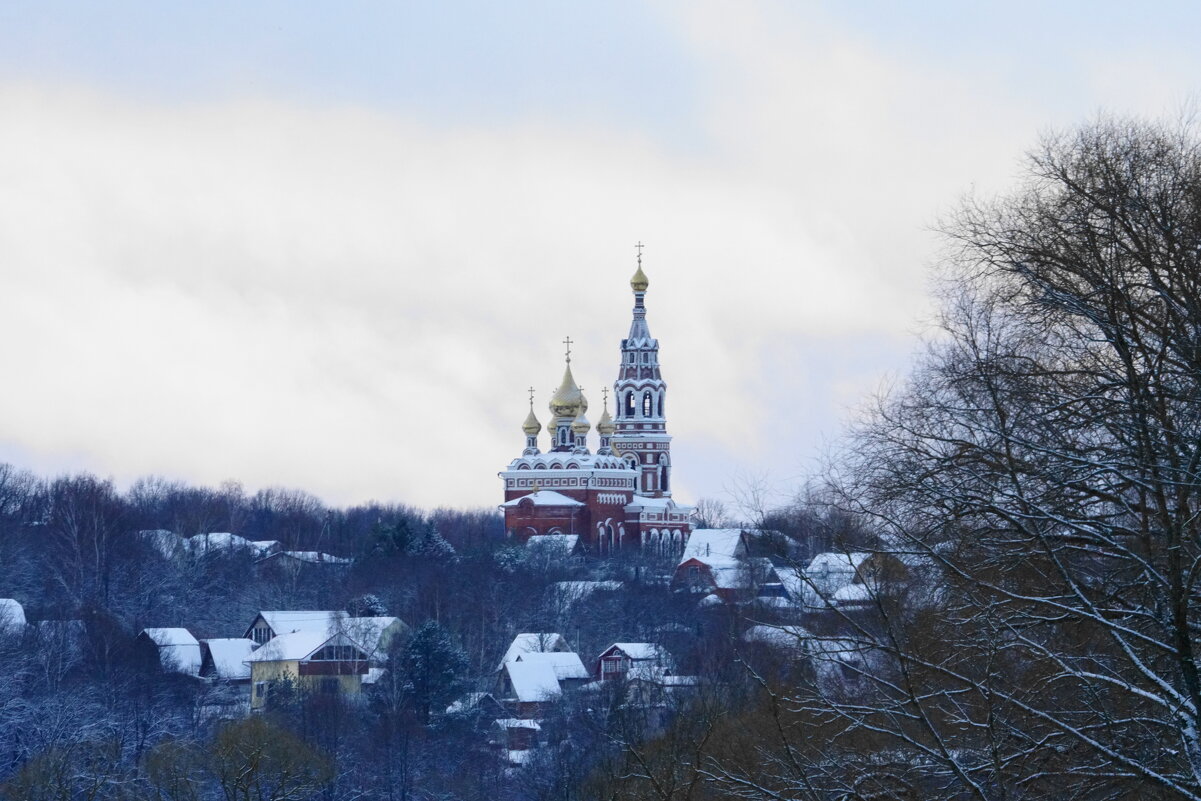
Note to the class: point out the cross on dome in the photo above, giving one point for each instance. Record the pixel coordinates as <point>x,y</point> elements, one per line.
<point>567,342</point>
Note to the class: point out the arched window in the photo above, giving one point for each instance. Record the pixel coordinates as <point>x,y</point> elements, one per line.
<point>664,473</point>
<point>660,412</point>
<point>646,403</point>
<point>629,405</point>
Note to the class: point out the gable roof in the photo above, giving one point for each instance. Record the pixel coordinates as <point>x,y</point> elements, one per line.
<point>829,572</point>
<point>370,633</point>
<point>533,681</point>
<point>297,646</point>
<point>288,621</point>
<point>163,637</point>
<point>532,643</point>
<point>544,498</point>
<point>177,649</point>
<point>567,665</point>
<point>708,544</point>
<point>229,656</point>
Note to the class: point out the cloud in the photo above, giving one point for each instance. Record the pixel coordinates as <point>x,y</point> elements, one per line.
<point>353,301</point>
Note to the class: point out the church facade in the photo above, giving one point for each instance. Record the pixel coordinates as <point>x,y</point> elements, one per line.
<point>619,496</point>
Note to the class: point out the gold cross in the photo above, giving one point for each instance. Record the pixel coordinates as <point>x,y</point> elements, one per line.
<point>531,391</point>
<point>567,342</point>
<point>640,246</point>
<point>605,398</point>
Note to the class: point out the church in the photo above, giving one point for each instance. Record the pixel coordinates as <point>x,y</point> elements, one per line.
<point>618,497</point>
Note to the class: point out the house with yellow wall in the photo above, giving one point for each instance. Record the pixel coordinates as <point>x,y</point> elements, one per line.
<point>335,656</point>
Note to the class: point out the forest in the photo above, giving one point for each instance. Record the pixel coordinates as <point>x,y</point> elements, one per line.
<point>1022,514</point>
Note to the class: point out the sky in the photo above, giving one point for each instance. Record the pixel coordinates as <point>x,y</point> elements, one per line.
<point>328,246</point>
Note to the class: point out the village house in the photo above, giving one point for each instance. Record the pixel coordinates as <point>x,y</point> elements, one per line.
<point>318,650</point>
<point>311,661</point>
<point>224,659</point>
<point>534,642</point>
<point>716,563</point>
<point>178,651</point>
<point>623,661</point>
<point>528,687</point>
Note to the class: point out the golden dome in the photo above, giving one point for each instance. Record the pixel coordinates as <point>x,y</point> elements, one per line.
<point>605,426</point>
<point>531,426</point>
<point>568,401</point>
<point>580,425</point>
<point>639,282</point>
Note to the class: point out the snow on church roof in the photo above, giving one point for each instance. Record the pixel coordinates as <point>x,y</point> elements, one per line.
<point>545,498</point>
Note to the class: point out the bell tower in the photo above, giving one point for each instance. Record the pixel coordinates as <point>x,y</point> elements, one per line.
<point>640,436</point>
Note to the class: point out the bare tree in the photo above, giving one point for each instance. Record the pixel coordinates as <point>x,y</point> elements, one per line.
<point>1038,484</point>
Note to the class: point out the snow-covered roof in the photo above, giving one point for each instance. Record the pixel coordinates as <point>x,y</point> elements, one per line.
<point>533,681</point>
<point>518,723</point>
<point>229,656</point>
<point>639,502</point>
<point>369,632</point>
<point>564,543</point>
<point>826,574</point>
<point>288,621</point>
<point>171,636</point>
<point>373,675</point>
<point>544,498</point>
<point>532,642</point>
<point>793,580</point>
<point>178,650</point>
<point>265,546</point>
<point>216,540</point>
<point>787,637</point>
<point>566,665</point>
<point>573,591</point>
<point>294,646</point>
<point>12,616</point>
<point>714,543</point>
<point>640,650</point>
<point>311,557</point>
<point>712,599</point>
<point>854,595</point>
<point>649,661</point>
<point>835,562</point>
<point>581,461</point>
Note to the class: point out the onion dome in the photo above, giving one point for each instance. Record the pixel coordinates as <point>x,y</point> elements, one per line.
<point>580,425</point>
<point>568,401</point>
<point>531,426</point>
<point>605,426</point>
<point>639,282</point>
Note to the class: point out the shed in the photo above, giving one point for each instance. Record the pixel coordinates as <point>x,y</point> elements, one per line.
<point>178,650</point>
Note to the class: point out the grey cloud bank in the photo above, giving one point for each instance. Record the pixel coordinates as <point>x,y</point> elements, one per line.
<point>352,299</point>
